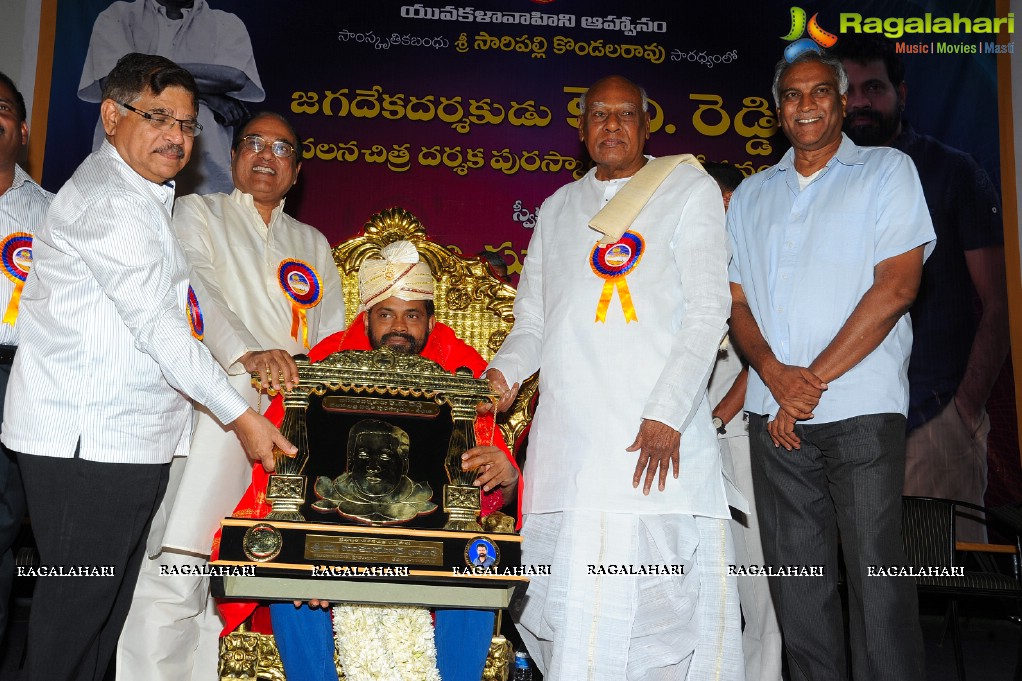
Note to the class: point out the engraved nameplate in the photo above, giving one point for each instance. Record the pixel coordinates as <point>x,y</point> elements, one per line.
<point>344,403</point>
<point>373,550</point>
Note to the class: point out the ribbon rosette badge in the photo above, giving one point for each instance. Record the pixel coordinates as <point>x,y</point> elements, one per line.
<point>300,284</point>
<point>613,263</point>
<point>16,253</point>
<point>195,315</point>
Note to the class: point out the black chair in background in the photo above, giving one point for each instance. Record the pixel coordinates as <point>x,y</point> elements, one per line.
<point>989,570</point>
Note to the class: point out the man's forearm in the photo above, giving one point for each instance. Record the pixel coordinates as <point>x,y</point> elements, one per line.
<point>887,300</point>
<point>747,337</point>
<point>734,399</point>
<point>990,345</point>
<point>989,349</point>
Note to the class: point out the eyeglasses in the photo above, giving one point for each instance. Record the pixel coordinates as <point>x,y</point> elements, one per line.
<point>165,122</point>
<point>257,143</point>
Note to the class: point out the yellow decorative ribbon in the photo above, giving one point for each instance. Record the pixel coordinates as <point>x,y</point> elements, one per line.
<point>623,293</point>
<point>299,322</point>
<point>11,315</point>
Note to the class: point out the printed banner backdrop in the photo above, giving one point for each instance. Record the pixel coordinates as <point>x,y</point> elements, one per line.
<point>465,114</point>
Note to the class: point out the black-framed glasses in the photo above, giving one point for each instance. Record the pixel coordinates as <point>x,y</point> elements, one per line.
<point>257,143</point>
<point>164,122</point>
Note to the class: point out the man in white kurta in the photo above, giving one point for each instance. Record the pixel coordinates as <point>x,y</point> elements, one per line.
<point>212,44</point>
<point>624,470</point>
<point>238,245</point>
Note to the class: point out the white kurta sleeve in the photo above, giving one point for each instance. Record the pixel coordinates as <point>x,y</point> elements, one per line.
<point>227,338</point>
<point>700,253</point>
<point>519,355</point>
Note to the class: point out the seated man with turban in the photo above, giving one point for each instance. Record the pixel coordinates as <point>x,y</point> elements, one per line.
<point>396,292</point>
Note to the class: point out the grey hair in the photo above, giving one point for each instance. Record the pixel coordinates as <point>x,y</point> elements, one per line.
<point>832,63</point>
<point>642,94</point>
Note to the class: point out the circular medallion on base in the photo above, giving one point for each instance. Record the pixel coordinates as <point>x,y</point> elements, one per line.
<point>262,542</point>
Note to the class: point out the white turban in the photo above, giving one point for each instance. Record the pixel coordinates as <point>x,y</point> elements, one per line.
<point>398,274</point>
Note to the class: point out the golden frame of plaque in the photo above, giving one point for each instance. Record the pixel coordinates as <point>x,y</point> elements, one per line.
<point>381,522</point>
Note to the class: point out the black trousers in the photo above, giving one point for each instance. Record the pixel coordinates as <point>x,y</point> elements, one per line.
<point>85,516</point>
<point>845,481</point>
<point>12,510</point>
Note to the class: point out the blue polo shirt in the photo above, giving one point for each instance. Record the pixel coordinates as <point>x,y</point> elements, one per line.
<point>805,258</point>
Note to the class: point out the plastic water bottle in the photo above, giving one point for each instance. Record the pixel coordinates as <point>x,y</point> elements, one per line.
<point>523,667</point>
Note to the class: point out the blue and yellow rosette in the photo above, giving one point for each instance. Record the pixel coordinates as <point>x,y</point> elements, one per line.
<point>300,284</point>
<point>16,253</point>
<point>613,263</point>
<point>195,320</point>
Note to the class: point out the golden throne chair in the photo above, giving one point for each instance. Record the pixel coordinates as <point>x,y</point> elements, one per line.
<point>478,307</point>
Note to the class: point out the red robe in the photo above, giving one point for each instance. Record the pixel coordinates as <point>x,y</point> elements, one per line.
<point>443,347</point>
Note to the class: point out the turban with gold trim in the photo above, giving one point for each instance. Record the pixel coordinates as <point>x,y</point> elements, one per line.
<point>399,273</point>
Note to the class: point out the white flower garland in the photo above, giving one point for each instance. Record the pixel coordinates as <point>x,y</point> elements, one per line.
<point>382,643</point>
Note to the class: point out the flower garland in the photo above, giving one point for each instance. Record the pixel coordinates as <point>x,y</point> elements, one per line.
<point>383,643</point>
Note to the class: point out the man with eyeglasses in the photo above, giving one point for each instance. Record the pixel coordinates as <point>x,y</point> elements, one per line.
<point>261,270</point>
<point>105,369</point>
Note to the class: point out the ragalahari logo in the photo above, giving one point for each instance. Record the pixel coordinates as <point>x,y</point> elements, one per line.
<point>818,38</point>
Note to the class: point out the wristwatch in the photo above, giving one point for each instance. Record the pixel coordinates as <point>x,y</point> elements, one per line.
<point>718,424</point>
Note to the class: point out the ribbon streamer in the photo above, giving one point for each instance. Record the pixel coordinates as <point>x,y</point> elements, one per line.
<point>623,293</point>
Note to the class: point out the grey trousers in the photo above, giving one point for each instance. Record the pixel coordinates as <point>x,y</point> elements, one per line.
<point>846,482</point>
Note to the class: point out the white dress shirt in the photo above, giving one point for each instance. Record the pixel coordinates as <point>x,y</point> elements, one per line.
<point>599,380</point>
<point>235,257</point>
<point>22,209</point>
<point>107,355</point>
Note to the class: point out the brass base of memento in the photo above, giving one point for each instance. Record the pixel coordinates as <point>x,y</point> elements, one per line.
<point>461,503</point>
<point>498,659</point>
<point>286,494</point>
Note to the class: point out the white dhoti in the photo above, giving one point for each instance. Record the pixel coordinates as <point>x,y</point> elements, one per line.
<point>173,627</point>
<point>172,630</point>
<point>590,619</point>
<point>761,639</point>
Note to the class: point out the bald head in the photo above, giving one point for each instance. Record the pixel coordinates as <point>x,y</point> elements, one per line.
<point>614,126</point>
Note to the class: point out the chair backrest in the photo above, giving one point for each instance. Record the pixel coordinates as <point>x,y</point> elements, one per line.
<point>469,298</point>
<point>928,531</point>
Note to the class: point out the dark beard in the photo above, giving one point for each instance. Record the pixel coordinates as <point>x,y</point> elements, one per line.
<point>412,348</point>
<point>879,131</point>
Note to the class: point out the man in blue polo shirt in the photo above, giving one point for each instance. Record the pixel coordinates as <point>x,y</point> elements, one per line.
<point>828,249</point>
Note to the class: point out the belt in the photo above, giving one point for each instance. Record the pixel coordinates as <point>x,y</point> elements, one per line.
<point>7,353</point>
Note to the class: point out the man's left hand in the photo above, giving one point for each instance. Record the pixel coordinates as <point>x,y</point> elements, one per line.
<point>276,368</point>
<point>782,431</point>
<point>495,470</point>
<point>659,446</point>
